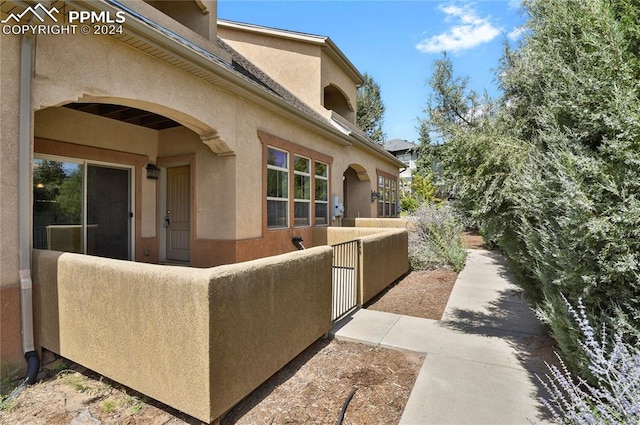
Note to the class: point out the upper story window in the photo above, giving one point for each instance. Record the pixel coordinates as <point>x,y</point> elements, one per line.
<point>193,14</point>
<point>335,100</point>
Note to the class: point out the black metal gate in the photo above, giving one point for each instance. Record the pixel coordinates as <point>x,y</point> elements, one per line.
<point>346,258</point>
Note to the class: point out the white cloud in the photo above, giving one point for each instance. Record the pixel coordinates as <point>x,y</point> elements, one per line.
<point>468,31</point>
<point>516,33</point>
<point>514,4</point>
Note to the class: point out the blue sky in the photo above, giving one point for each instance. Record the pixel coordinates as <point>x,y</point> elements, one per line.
<point>397,41</point>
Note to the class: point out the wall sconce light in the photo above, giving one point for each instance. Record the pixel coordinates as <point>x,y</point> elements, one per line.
<point>375,195</point>
<point>153,172</point>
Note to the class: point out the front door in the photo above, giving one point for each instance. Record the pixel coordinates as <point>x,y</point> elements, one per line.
<point>178,214</point>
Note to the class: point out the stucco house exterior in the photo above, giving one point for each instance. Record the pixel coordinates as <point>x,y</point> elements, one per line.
<point>151,132</point>
<point>406,152</point>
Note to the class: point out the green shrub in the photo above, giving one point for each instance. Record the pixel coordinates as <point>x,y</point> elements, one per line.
<point>435,239</point>
<point>409,204</point>
<point>552,171</point>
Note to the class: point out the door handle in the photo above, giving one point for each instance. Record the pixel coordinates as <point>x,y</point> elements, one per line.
<point>167,219</point>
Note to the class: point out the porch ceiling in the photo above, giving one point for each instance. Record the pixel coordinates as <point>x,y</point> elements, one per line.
<point>126,114</point>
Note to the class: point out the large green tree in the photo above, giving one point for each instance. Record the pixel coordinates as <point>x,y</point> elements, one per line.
<point>552,170</point>
<point>370,109</point>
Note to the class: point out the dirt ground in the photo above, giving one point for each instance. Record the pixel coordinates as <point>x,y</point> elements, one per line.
<point>473,240</point>
<point>311,389</point>
<point>419,294</point>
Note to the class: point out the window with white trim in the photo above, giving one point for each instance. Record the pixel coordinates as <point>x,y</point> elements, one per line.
<point>297,189</point>
<point>321,176</point>
<point>277,188</point>
<point>301,191</point>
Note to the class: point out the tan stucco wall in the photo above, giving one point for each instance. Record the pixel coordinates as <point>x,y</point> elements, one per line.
<point>384,259</point>
<point>69,125</point>
<point>358,196</point>
<point>190,14</point>
<point>333,74</point>
<point>225,185</point>
<point>220,180</point>
<point>263,314</point>
<point>129,77</point>
<point>9,92</point>
<point>382,223</point>
<point>12,364</point>
<point>294,65</point>
<point>142,325</point>
<point>198,340</point>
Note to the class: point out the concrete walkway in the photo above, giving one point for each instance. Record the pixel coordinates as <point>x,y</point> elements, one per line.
<point>480,359</point>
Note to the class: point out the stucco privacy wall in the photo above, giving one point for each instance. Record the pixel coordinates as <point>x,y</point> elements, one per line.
<point>384,259</point>
<point>198,340</point>
<point>10,329</point>
<point>384,255</point>
<point>382,223</point>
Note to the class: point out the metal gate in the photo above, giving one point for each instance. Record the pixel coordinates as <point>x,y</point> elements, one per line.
<point>345,278</point>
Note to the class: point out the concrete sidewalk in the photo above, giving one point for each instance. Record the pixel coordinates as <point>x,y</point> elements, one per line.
<point>480,359</point>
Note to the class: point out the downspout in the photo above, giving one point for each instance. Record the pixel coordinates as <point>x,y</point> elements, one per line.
<point>24,208</point>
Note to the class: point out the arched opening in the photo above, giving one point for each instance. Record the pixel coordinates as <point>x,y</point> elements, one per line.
<point>337,101</point>
<point>115,180</point>
<point>356,192</point>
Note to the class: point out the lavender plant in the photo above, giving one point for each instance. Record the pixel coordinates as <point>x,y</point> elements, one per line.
<point>613,397</point>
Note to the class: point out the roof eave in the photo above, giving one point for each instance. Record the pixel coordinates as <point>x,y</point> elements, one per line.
<point>188,51</point>
<point>323,41</point>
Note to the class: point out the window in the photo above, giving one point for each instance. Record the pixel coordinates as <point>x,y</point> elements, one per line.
<point>380,196</point>
<point>406,158</point>
<point>82,207</point>
<point>277,188</point>
<point>297,185</point>
<point>387,200</point>
<point>302,191</point>
<point>322,193</point>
